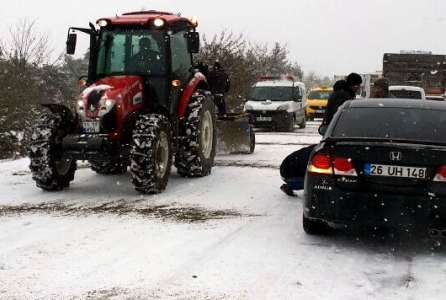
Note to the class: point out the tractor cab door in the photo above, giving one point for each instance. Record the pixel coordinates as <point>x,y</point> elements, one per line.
<point>146,56</point>
<point>140,52</point>
<point>181,61</point>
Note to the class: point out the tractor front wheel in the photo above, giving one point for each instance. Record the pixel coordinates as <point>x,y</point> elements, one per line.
<point>151,153</point>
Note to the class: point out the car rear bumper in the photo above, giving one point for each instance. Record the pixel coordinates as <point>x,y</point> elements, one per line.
<point>332,204</point>
<point>315,115</point>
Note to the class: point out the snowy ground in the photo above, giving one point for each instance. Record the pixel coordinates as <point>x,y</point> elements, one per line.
<point>231,235</point>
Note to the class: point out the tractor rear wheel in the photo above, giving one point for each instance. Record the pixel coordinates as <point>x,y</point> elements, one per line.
<point>195,157</point>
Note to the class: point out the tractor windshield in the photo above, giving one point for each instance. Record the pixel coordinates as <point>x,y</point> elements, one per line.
<point>131,51</point>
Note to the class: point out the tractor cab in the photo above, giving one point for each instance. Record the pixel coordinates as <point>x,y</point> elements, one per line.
<point>156,46</point>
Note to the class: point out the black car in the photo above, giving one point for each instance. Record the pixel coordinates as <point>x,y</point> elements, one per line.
<point>381,162</point>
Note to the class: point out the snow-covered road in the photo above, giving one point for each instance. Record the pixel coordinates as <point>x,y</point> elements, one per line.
<point>231,235</point>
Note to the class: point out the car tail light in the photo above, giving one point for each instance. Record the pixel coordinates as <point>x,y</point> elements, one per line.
<point>343,166</point>
<point>441,174</point>
<point>320,163</point>
<point>323,164</point>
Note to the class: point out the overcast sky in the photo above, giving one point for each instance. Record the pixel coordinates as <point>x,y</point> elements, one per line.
<point>325,36</point>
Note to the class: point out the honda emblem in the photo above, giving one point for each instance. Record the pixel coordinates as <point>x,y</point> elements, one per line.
<point>395,156</point>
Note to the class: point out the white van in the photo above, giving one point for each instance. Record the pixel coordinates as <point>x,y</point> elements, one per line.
<point>277,102</point>
<point>408,92</point>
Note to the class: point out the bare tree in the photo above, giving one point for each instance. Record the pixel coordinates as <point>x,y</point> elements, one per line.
<point>313,80</point>
<point>26,44</point>
<point>245,62</point>
<point>24,58</point>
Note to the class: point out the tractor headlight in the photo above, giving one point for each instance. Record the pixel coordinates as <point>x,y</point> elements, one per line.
<point>106,106</point>
<point>80,107</point>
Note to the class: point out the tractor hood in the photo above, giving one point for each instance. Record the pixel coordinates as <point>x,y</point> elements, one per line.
<point>122,94</point>
<point>114,87</point>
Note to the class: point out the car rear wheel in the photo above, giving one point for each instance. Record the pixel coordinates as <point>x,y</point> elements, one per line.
<point>314,226</point>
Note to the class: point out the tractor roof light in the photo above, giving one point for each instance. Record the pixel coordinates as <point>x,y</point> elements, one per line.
<point>176,82</point>
<point>102,23</point>
<point>158,22</point>
<point>194,21</point>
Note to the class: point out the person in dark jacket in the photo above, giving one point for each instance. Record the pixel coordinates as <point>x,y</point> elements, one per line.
<point>294,166</point>
<point>145,58</point>
<point>339,85</point>
<point>219,84</point>
<point>381,89</point>
<point>293,169</point>
<point>344,91</point>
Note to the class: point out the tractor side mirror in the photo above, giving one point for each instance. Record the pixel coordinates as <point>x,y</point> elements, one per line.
<point>71,43</point>
<point>193,42</point>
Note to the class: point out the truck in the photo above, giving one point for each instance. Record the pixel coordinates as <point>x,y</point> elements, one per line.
<point>144,114</point>
<point>416,68</point>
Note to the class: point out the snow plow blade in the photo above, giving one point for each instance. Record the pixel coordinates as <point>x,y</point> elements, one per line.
<point>235,134</point>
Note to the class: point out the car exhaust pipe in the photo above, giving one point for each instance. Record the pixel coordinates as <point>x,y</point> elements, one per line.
<point>433,232</point>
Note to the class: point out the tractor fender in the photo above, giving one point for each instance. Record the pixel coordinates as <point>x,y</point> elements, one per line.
<point>197,81</point>
<point>64,111</point>
<point>59,109</point>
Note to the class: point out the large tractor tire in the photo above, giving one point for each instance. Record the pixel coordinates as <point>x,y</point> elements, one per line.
<point>50,169</point>
<point>109,167</point>
<point>151,153</point>
<point>195,158</point>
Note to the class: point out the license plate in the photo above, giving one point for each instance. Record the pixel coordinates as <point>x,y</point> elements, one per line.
<point>320,111</point>
<point>394,171</point>
<point>268,119</point>
<point>91,127</point>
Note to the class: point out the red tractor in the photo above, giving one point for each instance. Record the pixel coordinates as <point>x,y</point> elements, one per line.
<point>145,106</point>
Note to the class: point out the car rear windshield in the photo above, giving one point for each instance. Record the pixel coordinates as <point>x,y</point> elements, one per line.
<point>314,95</point>
<point>392,123</point>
